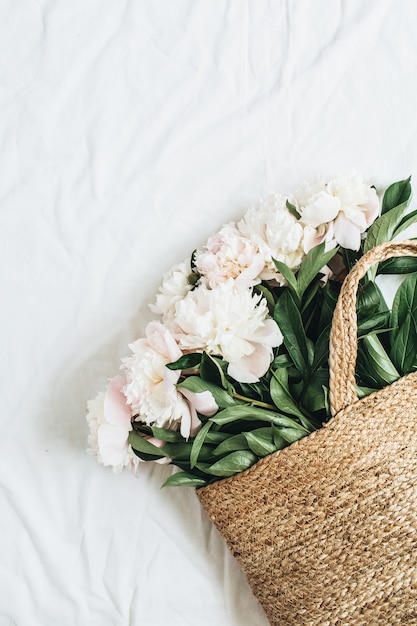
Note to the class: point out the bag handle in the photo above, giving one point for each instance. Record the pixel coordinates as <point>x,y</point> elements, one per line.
<point>343,334</point>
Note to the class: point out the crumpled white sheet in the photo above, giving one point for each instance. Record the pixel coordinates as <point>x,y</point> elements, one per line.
<point>130,131</point>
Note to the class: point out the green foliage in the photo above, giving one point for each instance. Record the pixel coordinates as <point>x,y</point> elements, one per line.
<point>232,463</point>
<point>399,265</point>
<point>391,222</point>
<point>292,209</point>
<point>184,479</point>
<point>403,335</point>
<point>314,261</point>
<point>396,194</point>
<point>288,317</point>
<point>197,385</point>
<point>186,362</point>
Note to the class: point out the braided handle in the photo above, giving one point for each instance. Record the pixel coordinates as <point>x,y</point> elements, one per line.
<point>343,335</point>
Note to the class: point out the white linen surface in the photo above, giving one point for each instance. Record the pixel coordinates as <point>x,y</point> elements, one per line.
<point>130,131</point>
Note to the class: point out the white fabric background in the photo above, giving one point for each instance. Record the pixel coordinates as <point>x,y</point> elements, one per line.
<point>131,130</point>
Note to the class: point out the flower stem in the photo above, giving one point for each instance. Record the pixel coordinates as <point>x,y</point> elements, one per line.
<point>263,405</point>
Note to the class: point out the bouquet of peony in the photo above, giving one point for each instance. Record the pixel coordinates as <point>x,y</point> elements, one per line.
<point>235,367</point>
<point>246,382</point>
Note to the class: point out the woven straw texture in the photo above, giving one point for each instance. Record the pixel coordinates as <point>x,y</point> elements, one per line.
<point>326,529</point>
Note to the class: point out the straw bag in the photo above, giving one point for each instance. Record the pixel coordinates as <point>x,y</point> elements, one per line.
<point>326,529</point>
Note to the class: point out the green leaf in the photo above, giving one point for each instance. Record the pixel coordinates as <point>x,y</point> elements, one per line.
<point>215,439</point>
<point>198,443</point>
<point>378,365</point>
<point>289,435</point>
<point>408,220</point>
<point>167,435</point>
<point>251,413</point>
<point>186,362</point>
<point>350,257</point>
<point>362,392</point>
<point>282,360</point>
<point>313,262</point>
<point>403,353</point>
<point>254,391</point>
<point>193,263</point>
<point>211,371</point>
<point>261,441</point>
<point>196,385</point>
<point>279,441</point>
<point>288,318</point>
<point>398,265</point>
<point>267,294</point>
<point>146,457</point>
<point>321,349</point>
<point>292,209</point>
<point>369,300</point>
<point>233,463</point>
<point>314,396</point>
<point>403,302</point>
<point>142,445</point>
<point>182,452</point>
<point>378,321</point>
<point>404,322</point>
<point>384,227</point>
<point>289,276</point>
<point>178,451</point>
<point>232,443</point>
<point>396,194</point>
<point>310,300</point>
<point>330,293</point>
<point>183,479</point>
<point>280,394</point>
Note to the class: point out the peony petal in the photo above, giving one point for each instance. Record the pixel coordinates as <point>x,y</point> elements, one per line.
<point>112,444</point>
<point>324,208</point>
<point>268,334</point>
<point>203,402</point>
<point>195,423</point>
<point>170,379</point>
<point>249,369</point>
<point>326,274</point>
<point>372,210</point>
<point>186,420</point>
<point>346,233</point>
<point>116,410</point>
<point>314,236</point>
<point>271,334</point>
<point>311,238</point>
<point>156,442</point>
<point>162,341</point>
<point>251,275</point>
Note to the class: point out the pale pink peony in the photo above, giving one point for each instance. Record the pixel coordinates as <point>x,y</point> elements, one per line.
<point>151,387</point>
<point>109,418</point>
<point>315,236</point>
<point>346,203</point>
<point>232,322</point>
<point>175,286</point>
<point>229,254</point>
<point>276,233</point>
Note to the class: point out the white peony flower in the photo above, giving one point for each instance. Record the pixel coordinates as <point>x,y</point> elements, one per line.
<point>175,286</point>
<point>229,254</point>
<point>277,235</point>
<point>346,202</point>
<point>315,236</point>
<point>109,419</point>
<point>231,322</point>
<point>151,387</point>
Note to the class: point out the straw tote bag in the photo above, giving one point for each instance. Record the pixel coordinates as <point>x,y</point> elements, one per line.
<point>326,529</point>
